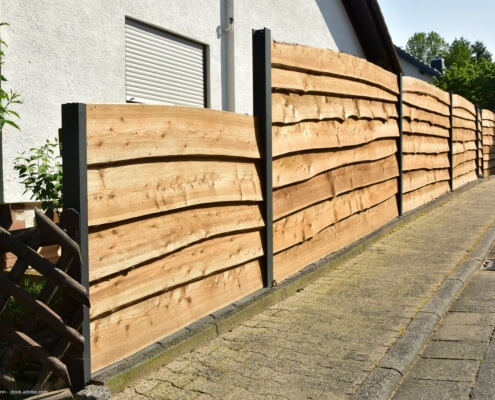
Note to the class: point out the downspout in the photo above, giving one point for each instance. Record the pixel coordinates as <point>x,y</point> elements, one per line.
<point>228,31</point>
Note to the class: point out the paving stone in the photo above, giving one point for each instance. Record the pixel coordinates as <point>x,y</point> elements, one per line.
<point>460,350</point>
<point>466,318</point>
<point>415,389</point>
<point>464,332</point>
<point>444,370</point>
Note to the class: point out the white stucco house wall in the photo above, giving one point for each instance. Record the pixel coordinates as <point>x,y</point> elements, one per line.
<point>62,51</point>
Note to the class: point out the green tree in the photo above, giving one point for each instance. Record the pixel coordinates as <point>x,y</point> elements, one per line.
<point>427,46</point>
<point>479,51</point>
<point>459,53</point>
<point>7,98</point>
<point>475,81</point>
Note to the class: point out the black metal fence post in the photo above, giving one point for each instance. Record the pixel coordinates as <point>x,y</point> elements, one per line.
<point>262,110</point>
<point>451,143</point>
<point>400,188</point>
<point>75,193</point>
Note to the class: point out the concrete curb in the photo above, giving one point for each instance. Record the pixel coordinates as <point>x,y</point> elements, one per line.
<point>387,375</point>
<point>124,373</point>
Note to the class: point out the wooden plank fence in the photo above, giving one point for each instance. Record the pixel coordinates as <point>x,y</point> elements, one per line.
<point>334,146</point>
<point>426,125</point>
<point>179,209</point>
<point>158,212</point>
<point>488,123</point>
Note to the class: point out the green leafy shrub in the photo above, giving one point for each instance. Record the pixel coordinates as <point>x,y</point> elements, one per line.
<point>41,173</point>
<point>7,98</point>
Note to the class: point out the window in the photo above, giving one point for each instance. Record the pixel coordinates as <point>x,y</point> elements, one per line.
<point>163,68</point>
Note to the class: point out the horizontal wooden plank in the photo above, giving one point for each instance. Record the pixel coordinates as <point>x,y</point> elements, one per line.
<point>424,144</point>
<point>137,326</point>
<point>464,157</point>
<point>293,107</point>
<point>117,248</point>
<point>461,147</point>
<point>461,102</point>
<point>425,161</point>
<point>463,135</point>
<point>305,224</point>
<point>488,116</point>
<point>192,263</point>
<point>122,192</point>
<point>426,102</point>
<point>414,180</point>
<point>299,167</point>
<point>465,179</point>
<point>302,82</point>
<point>463,123</point>
<point>488,165</point>
<point>332,239</point>
<point>424,128</point>
<point>464,168</point>
<point>489,154</point>
<point>332,183</point>
<point>117,132</point>
<point>463,114</point>
<point>413,85</point>
<point>298,57</point>
<point>424,195</point>
<point>311,135</point>
<point>488,140</point>
<point>416,114</point>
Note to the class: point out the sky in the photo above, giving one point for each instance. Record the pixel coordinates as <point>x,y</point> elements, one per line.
<point>473,19</point>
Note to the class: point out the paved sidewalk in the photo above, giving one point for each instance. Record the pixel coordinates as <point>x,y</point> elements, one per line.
<point>355,330</point>
<point>458,362</point>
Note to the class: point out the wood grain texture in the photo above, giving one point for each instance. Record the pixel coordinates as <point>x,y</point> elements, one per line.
<point>464,135</point>
<point>293,107</point>
<point>461,102</point>
<point>424,144</point>
<point>307,58</point>
<point>123,192</point>
<point>424,128</point>
<point>488,139</point>
<point>414,180</point>
<point>488,165</point>
<point>413,85</point>
<point>324,186</point>
<point>464,124</point>
<point>305,224</point>
<point>120,247</point>
<point>189,264</point>
<point>425,161</point>
<point>300,167</point>
<point>464,179</point>
<point>117,132</point>
<point>488,117</point>
<point>416,114</point>
<point>461,147</point>
<point>332,239</point>
<point>137,326</point>
<point>463,114</point>
<point>489,153</point>
<point>426,102</point>
<point>302,82</point>
<point>464,168</point>
<point>424,195</point>
<point>464,157</point>
<point>312,135</point>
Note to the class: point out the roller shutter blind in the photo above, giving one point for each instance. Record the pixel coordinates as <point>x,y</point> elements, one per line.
<point>163,68</point>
